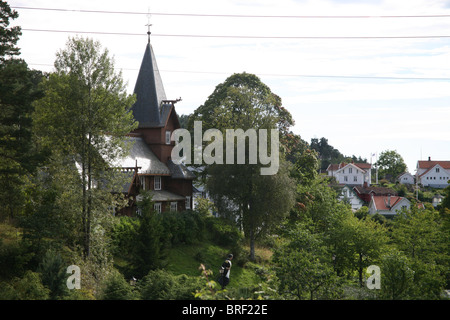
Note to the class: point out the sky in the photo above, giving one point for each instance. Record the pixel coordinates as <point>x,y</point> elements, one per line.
<point>368,75</point>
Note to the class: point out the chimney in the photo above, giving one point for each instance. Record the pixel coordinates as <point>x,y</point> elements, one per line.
<point>429,158</point>
<point>389,201</point>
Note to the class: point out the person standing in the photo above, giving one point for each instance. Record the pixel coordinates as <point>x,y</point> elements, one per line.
<point>226,268</point>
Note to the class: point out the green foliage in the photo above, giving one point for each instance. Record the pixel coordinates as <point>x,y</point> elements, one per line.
<point>223,232</point>
<point>163,285</point>
<point>117,288</point>
<point>123,235</point>
<point>239,191</point>
<point>14,258</point>
<point>327,154</point>
<point>183,227</point>
<point>397,276</point>
<point>303,265</point>
<point>357,244</point>
<point>53,274</point>
<point>147,249</point>
<point>9,35</point>
<point>29,287</point>
<point>84,116</point>
<point>19,155</point>
<point>390,165</point>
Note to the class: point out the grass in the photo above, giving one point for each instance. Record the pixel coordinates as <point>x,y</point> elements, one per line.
<point>186,259</point>
<point>9,233</point>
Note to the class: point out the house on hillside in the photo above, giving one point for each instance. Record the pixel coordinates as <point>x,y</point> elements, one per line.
<point>388,205</point>
<point>149,163</point>
<point>351,173</point>
<point>365,192</point>
<point>349,196</point>
<point>406,178</point>
<point>435,174</point>
<point>358,196</point>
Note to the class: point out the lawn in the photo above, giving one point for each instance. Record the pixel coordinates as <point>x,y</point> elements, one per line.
<point>186,259</point>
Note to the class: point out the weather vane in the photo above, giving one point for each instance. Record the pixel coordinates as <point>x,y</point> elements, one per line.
<point>148,24</point>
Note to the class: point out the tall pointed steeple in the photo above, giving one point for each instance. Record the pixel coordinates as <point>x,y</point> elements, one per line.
<point>149,92</point>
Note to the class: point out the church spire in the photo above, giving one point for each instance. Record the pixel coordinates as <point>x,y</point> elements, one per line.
<point>149,91</point>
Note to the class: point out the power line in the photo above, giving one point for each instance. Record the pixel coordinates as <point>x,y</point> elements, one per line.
<point>238,15</point>
<point>288,75</point>
<point>242,36</point>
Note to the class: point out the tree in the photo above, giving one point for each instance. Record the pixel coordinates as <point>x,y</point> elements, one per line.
<point>257,201</point>
<point>84,116</point>
<point>8,36</point>
<point>117,288</point>
<point>53,273</point>
<point>421,236</point>
<point>304,265</point>
<point>18,89</point>
<point>357,243</point>
<point>148,244</point>
<point>390,164</point>
<point>327,153</point>
<point>397,276</point>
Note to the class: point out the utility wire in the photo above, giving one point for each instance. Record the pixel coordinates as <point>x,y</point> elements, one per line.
<point>241,36</point>
<point>237,15</point>
<point>285,75</point>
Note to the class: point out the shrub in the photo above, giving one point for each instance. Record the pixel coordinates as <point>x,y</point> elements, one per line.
<point>117,288</point>
<point>164,285</point>
<point>29,287</point>
<point>52,270</point>
<point>223,232</point>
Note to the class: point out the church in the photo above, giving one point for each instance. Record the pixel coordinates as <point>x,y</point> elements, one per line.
<point>149,165</point>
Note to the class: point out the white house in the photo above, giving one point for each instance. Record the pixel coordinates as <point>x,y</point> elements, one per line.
<point>435,174</point>
<point>388,205</point>
<point>350,173</point>
<point>349,195</point>
<point>406,178</point>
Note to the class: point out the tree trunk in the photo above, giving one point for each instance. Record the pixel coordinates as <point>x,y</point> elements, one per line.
<point>360,270</point>
<point>252,245</point>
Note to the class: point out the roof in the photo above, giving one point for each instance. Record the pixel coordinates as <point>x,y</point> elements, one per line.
<point>149,109</point>
<point>374,190</point>
<point>428,164</point>
<point>129,177</point>
<point>179,171</point>
<point>404,173</point>
<point>386,203</point>
<point>140,155</point>
<point>164,195</point>
<point>360,165</point>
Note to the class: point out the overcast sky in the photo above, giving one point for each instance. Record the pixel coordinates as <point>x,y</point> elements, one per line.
<point>375,77</point>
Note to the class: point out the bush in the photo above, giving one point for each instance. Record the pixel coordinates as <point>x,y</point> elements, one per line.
<point>117,288</point>
<point>123,235</point>
<point>223,232</point>
<point>185,227</point>
<point>14,258</point>
<point>53,272</point>
<point>29,287</point>
<point>164,285</point>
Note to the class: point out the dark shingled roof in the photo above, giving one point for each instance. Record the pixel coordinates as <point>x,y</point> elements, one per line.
<point>179,171</point>
<point>149,109</point>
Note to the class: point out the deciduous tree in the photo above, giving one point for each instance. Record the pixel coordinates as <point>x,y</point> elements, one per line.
<point>84,117</point>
